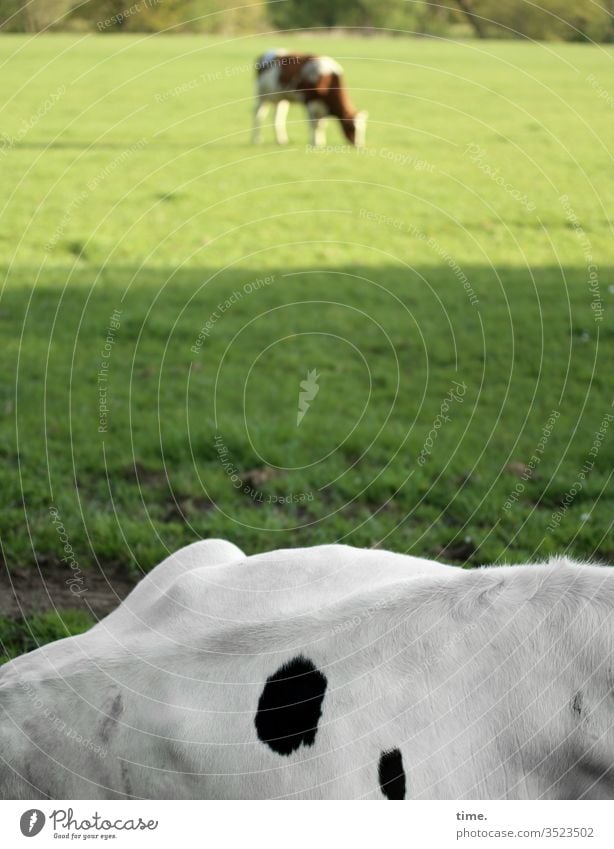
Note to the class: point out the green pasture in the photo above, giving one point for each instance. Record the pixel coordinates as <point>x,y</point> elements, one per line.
<point>166,287</point>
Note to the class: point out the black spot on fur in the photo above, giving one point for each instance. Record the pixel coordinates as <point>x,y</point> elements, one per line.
<point>290,706</point>
<point>391,774</point>
<point>577,704</point>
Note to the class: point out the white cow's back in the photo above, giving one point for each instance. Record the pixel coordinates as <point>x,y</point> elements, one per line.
<point>477,677</point>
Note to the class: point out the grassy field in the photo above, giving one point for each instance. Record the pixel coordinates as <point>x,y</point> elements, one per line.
<point>166,287</point>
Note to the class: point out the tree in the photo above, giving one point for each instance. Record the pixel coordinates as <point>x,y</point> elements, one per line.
<point>474,20</point>
<point>35,16</point>
<point>216,16</point>
<point>364,14</point>
<point>10,16</point>
<point>568,20</point>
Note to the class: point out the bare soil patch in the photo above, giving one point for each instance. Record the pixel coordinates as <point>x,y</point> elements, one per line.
<point>27,591</point>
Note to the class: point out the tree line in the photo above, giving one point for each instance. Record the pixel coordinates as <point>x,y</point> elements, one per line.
<point>563,20</point>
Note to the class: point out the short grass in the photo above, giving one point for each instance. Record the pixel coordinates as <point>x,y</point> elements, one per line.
<point>19,636</point>
<point>457,247</point>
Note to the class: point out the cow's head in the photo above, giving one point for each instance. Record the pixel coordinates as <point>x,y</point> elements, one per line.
<point>355,128</point>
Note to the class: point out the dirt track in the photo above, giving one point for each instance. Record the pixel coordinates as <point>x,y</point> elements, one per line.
<point>23,592</point>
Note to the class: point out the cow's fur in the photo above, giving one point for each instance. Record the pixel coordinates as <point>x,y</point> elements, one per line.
<point>315,81</point>
<point>418,680</point>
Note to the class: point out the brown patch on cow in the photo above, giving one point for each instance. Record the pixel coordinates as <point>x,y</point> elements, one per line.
<point>290,69</point>
<point>289,66</point>
<point>334,93</point>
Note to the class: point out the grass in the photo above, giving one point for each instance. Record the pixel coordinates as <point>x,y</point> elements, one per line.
<point>17,637</point>
<point>456,247</point>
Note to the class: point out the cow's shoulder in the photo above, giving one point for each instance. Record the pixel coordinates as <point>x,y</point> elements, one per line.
<point>204,554</point>
<point>273,590</point>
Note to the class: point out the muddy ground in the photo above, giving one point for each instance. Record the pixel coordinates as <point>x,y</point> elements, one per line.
<point>32,591</point>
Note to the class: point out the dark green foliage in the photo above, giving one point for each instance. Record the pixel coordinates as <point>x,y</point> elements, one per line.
<point>568,20</point>
<point>367,14</point>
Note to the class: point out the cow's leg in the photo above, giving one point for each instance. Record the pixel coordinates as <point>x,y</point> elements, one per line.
<point>319,133</point>
<point>281,113</point>
<point>260,110</point>
<point>317,123</point>
<point>317,128</point>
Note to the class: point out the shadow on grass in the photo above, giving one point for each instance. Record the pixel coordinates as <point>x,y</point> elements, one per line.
<point>151,407</point>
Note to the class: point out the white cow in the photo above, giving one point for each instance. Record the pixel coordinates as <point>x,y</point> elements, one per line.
<point>326,672</point>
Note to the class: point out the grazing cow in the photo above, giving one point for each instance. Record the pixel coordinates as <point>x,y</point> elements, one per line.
<point>326,672</point>
<point>316,81</point>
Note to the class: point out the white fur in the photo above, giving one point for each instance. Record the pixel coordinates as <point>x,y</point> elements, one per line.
<point>319,66</point>
<point>473,674</point>
<point>361,128</point>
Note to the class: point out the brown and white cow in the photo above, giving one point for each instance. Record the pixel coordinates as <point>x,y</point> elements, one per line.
<point>316,81</point>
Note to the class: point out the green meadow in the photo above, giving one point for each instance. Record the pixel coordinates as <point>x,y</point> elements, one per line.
<point>445,293</point>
